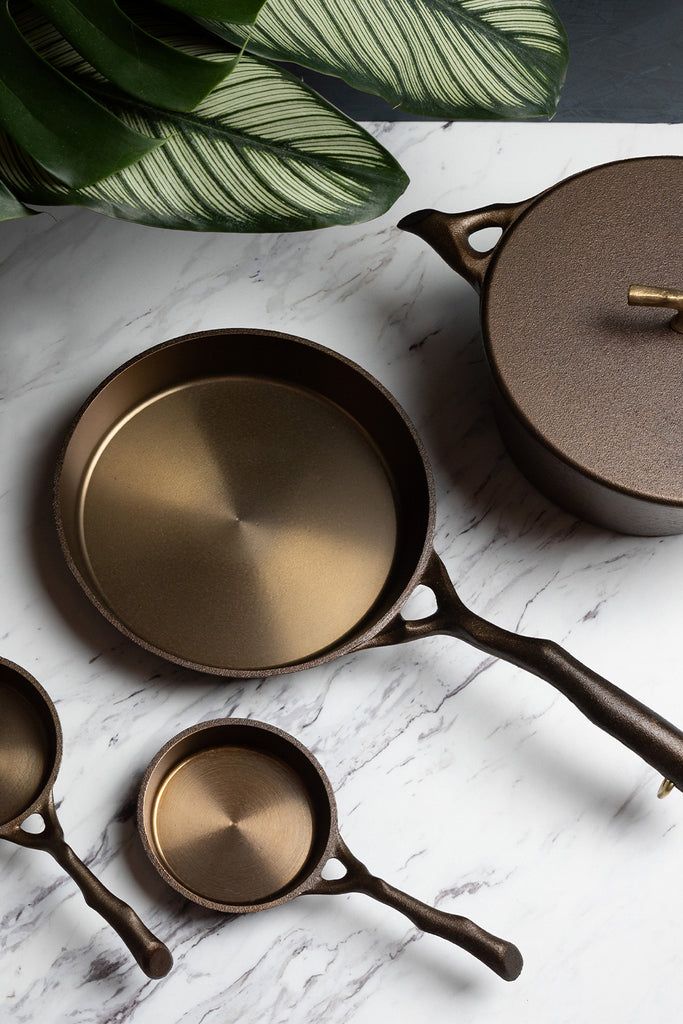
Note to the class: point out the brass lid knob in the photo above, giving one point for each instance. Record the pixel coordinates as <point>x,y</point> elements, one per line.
<point>643,295</point>
<point>666,787</point>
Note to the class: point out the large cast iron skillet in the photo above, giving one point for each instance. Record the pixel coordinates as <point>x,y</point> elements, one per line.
<point>248,504</point>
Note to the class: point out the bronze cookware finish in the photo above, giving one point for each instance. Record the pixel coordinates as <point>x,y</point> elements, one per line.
<point>239,817</point>
<point>587,391</point>
<point>249,504</point>
<point>30,755</point>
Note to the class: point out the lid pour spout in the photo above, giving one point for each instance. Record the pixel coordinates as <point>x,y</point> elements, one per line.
<point>643,295</point>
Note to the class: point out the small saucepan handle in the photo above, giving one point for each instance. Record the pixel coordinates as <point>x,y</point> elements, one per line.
<point>499,955</point>
<point>150,952</point>
<point>642,730</point>
<point>449,234</point>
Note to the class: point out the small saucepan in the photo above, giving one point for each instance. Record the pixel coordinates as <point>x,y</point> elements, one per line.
<point>250,504</point>
<point>239,817</point>
<point>30,755</point>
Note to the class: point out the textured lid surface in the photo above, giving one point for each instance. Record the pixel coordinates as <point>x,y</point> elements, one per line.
<point>601,383</point>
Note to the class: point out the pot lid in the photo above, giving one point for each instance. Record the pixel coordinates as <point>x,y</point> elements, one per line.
<point>595,379</point>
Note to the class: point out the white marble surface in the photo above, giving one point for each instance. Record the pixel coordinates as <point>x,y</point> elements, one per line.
<point>496,799</point>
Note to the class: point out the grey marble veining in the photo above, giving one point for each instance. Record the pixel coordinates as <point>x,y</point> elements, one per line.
<point>460,779</point>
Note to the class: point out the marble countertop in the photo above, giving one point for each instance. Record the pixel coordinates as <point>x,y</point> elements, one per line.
<point>469,784</point>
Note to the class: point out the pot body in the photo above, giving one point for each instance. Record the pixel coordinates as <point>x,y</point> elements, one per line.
<point>587,391</point>
<point>577,492</point>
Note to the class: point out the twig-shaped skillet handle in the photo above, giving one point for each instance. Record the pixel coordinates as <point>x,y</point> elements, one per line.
<point>638,727</point>
<point>150,952</point>
<point>500,955</point>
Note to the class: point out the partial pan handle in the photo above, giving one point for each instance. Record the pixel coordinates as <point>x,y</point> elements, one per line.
<point>499,955</point>
<point>449,234</point>
<point>150,952</point>
<point>642,730</point>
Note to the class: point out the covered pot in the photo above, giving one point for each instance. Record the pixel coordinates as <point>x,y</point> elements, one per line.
<point>582,321</point>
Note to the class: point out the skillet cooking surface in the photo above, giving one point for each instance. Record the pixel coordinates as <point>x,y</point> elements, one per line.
<point>238,521</point>
<point>233,825</point>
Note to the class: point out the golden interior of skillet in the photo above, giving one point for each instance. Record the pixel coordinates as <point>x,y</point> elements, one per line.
<point>238,521</point>
<point>226,501</point>
<point>27,744</point>
<point>236,816</point>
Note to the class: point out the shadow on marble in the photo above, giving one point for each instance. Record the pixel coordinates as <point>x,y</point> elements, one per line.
<point>555,776</point>
<point>449,966</point>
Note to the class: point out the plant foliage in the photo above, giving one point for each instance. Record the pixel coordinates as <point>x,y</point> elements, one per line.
<point>169,115</point>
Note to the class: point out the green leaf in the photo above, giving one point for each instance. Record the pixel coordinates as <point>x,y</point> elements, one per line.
<point>63,128</point>
<point>132,58</point>
<point>240,12</point>
<point>11,208</point>
<point>262,153</point>
<point>468,59</point>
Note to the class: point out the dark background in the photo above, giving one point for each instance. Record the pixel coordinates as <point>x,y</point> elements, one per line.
<point>625,64</point>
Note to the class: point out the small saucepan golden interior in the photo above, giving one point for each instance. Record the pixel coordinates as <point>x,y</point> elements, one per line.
<point>238,501</point>
<point>235,814</point>
<point>29,743</point>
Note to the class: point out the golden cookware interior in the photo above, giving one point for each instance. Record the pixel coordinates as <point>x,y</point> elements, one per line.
<point>239,817</point>
<point>249,503</point>
<point>30,755</point>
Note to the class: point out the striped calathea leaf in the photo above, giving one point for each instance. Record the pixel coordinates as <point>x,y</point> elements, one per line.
<point>10,207</point>
<point>30,87</point>
<point>133,59</point>
<point>63,127</point>
<point>130,108</point>
<point>261,153</point>
<point>468,59</point>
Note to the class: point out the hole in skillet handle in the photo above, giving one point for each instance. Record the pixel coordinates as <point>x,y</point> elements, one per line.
<point>34,825</point>
<point>420,605</point>
<point>334,870</point>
